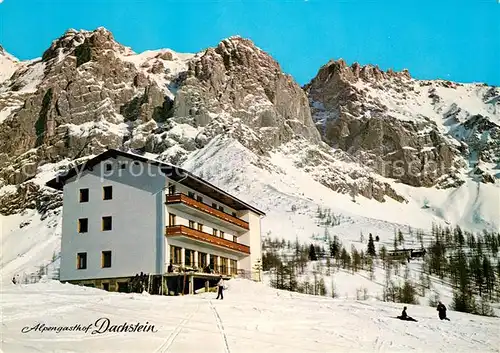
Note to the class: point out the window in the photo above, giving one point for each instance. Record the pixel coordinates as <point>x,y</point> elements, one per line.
<point>199,199</point>
<point>122,287</point>
<point>191,224</point>
<point>107,192</point>
<point>171,220</point>
<point>108,167</point>
<point>214,205</point>
<point>223,266</point>
<point>213,262</point>
<point>221,234</point>
<point>106,259</point>
<point>200,227</point>
<point>191,194</point>
<point>214,232</point>
<point>123,165</point>
<point>107,223</point>
<point>189,258</point>
<point>84,195</point>
<point>221,208</point>
<point>81,260</point>
<point>235,238</point>
<point>175,255</point>
<point>202,259</point>
<point>105,286</point>
<point>83,225</point>
<point>233,267</point>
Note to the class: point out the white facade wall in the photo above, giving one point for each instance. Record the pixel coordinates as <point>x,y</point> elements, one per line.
<point>252,239</point>
<point>136,240</point>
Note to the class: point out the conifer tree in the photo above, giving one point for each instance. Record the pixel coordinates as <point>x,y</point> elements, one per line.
<point>371,246</point>
<point>312,253</point>
<point>401,238</point>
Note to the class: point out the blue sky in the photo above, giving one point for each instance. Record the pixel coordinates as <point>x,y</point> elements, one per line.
<point>456,40</point>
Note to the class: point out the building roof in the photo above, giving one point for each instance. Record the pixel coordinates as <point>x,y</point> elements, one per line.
<point>182,176</point>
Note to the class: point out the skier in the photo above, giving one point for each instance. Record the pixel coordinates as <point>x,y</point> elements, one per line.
<point>14,280</point>
<point>442,311</point>
<point>220,286</point>
<point>404,316</point>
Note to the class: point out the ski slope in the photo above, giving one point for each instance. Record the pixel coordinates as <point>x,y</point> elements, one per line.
<point>251,318</point>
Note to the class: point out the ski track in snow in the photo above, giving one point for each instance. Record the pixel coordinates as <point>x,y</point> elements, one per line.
<point>220,326</point>
<point>164,348</point>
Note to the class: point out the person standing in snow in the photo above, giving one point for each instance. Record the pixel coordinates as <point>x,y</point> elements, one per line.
<point>442,311</point>
<point>220,288</point>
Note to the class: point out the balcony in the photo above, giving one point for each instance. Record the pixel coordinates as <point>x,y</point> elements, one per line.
<point>197,208</point>
<point>199,236</point>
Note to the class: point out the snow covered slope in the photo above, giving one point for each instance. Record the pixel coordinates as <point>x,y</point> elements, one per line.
<point>251,318</point>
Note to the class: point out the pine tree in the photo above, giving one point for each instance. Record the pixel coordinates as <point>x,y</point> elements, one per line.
<point>463,299</point>
<point>312,253</point>
<point>383,255</point>
<point>371,246</point>
<point>356,259</point>
<point>334,247</point>
<point>328,266</point>
<point>401,238</point>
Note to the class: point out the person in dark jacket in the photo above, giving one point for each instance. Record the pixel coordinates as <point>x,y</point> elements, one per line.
<point>220,288</point>
<point>404,316</point>
<point>442,311</point>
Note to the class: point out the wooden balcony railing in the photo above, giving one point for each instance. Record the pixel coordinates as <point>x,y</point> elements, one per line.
<point>207,238</point>
<point>181,198</point>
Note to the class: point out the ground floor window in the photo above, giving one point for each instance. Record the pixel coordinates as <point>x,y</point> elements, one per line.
<point>223,266</point>
<point>105,286</point>
<point>213,263</point>
<point>123,287</point>
<point>202,259</point>
<point>175,255</point>
<point>189,257</point>
<point>233,265</point>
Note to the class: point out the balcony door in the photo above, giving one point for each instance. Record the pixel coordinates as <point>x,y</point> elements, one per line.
<point>171,220</point>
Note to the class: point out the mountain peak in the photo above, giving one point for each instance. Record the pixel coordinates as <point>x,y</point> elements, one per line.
<point>356,71</point>
<point>98,39</point>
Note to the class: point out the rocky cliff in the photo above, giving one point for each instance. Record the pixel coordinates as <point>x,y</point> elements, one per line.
<point>354,129</point>
<point>422,133</point>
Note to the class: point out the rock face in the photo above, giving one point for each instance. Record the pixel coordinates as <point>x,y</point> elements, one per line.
<point>70,102</point>
<point>351,128</point>
<point>237,88</point>
<point>402,127</point>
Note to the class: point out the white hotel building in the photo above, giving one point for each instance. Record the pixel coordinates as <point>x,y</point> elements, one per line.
<point>124,214</point>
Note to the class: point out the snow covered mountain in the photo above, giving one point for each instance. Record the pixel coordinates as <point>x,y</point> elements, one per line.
<point>380,149</point>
